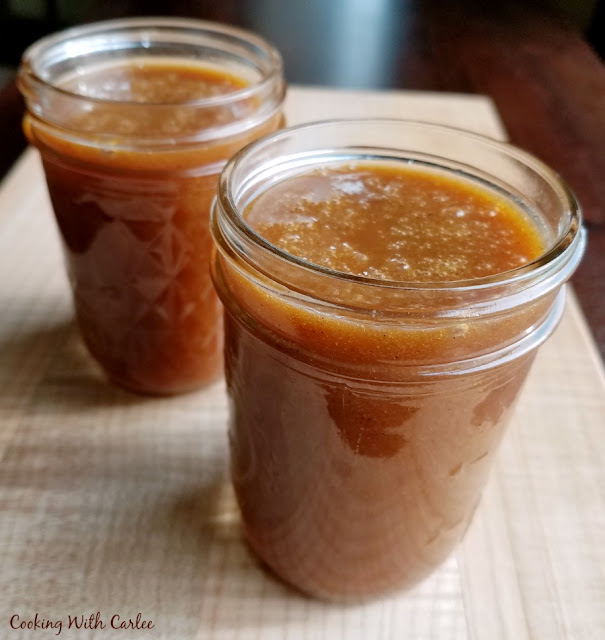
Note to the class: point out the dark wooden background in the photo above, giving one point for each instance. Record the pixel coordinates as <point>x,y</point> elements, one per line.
<point>543,72</point>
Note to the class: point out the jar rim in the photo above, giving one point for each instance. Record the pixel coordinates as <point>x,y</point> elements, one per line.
<point>28,74</point>
<point>564,252</point>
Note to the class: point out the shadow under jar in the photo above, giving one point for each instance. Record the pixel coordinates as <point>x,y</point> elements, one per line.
<point>134,120</point>
<point>366,410</point>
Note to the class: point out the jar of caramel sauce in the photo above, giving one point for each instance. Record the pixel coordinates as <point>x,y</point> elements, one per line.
<point>134,120</point>
<point>386,285</point>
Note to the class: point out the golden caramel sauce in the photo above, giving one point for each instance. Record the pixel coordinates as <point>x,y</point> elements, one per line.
<point>170,91</point>
<point>395,223</point>
<point>361,442</point>
<point>134,217</point>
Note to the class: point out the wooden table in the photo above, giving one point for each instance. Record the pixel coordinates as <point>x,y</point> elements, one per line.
<point>121,505</point>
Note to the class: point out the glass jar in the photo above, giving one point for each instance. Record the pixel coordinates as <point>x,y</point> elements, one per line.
<point>365,414</point>
<point>134,120</point>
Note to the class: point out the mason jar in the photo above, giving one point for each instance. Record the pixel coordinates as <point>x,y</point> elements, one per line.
<point>134,120</point>
<point>365,413</point>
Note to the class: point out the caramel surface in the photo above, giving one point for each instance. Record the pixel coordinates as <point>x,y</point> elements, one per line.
<point>398,223</point>
<point>171,91</point>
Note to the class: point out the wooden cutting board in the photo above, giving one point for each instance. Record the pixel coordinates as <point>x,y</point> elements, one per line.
<point>116,505</point>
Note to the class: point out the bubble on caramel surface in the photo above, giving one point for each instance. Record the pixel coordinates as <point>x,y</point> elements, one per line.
<point>395,223</point>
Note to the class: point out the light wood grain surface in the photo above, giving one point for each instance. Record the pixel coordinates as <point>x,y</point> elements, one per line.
<point>118,504</point>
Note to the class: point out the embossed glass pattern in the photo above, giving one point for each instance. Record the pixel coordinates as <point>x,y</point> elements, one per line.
<point>134,120</point>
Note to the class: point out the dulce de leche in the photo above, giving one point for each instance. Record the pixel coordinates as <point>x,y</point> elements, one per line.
<point>386,285</point>
<point>133,128</point>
